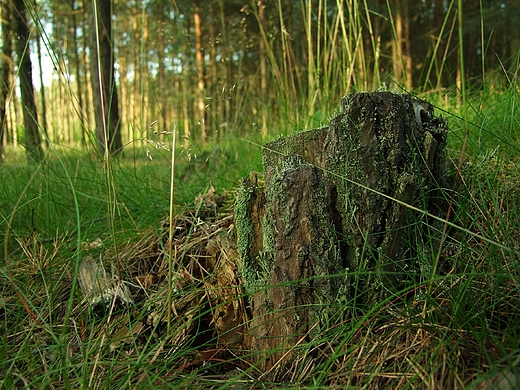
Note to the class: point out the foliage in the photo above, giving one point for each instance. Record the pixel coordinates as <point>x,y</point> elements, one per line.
<point>269,68</point>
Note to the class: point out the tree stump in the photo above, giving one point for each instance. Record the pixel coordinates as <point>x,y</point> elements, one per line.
<point>331,225</point>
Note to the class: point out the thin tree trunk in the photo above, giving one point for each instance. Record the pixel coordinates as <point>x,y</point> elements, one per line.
<point>407,46</point>
<point>64,128</point>
<point>214,117</point>
<point>43,99</point>
<point>162,101</point>
<point>86,72</point>
<point>79,82</point>
<point>227,64</point>
<point>147,106</point>
<point>126,90</point>
<point>14,118</point>
<point>135,108</point>
<point>263,68</point>
<point>185,81</point>
<point>439,16</point>
<point>185,114</point>
<point>397,55</point>
<point>5,71</point>
<point>106,104</point>
<point>33,145</point>
<point>199,59</point>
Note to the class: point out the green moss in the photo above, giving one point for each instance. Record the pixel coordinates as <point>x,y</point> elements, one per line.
<point>245,232</point>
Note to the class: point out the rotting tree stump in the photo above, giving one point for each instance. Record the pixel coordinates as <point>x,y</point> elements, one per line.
<point>331,224</point>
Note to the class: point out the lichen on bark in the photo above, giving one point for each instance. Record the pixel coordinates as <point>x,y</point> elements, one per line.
<point>383,146</point>
<point>249,211</point>
<point>301,243</point>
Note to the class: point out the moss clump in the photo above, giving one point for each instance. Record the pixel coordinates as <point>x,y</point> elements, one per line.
<point>249,212</point>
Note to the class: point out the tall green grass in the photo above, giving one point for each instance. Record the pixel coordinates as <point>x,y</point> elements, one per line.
<point>470,326</point>
<point>472,308</point>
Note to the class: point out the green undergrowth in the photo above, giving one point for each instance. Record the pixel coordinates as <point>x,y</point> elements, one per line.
<point>40,199</point>
<point>455,330</point>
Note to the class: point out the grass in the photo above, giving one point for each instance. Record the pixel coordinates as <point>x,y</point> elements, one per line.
<point>468,332</point>
<point>45,203</point>
<point>52,215</point>
<point>42,242</point>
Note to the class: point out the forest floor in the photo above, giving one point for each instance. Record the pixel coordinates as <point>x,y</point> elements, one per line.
<point>173,308</point>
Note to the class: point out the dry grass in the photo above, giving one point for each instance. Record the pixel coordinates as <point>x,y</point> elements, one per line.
<point>397,345</point>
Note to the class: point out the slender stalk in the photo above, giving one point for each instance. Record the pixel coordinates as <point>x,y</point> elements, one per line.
<point>170,234</point>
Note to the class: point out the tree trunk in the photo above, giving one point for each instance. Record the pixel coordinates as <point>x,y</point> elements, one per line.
<point>33,145</point>
<point>43,99</point>
<point>332,225</point>
<point>397,45</point>
<point>213,117</point>
<point>136,109</point>
<point>228,78</point>
<point>79,83</point>
<point>162,102</point>
<point>199,59</point>
<point>106,104</point>
<point>263,69</point>
<point>5,71</point>
<point>125,58</point>
<point>86,71</point>
<point>408,58</point>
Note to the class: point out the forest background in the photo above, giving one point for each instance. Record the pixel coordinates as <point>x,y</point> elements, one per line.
<point>216,69</point>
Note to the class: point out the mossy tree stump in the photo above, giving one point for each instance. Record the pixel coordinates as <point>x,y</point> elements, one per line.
<point>331,224</point>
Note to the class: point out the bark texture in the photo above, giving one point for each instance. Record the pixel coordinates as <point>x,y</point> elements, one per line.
<point>6,64</point>
<point>21,31</point>
<point>331,224</point>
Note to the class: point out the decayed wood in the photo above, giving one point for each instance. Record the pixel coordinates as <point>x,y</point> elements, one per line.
<point>99,289</point>
<point>334,204</point>
<point>300,250</point>
<point>385,144</point>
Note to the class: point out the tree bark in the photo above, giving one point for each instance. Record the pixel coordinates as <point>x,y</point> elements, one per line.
<point>33,145</point>
<point>79,83</point>
<point>332,225</point>
<point>263,68</point>
<point>5,71</point>
<point>397,44</point>
<point>199,59</point>
<point>228,78</point>
<point>162,91</point>
<point>105,96</point>
<point>43,99</point>
<point>408,58</point>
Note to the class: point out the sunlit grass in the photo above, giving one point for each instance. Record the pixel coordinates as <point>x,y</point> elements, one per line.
<point>53,214</point>
<point>474,298</point>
